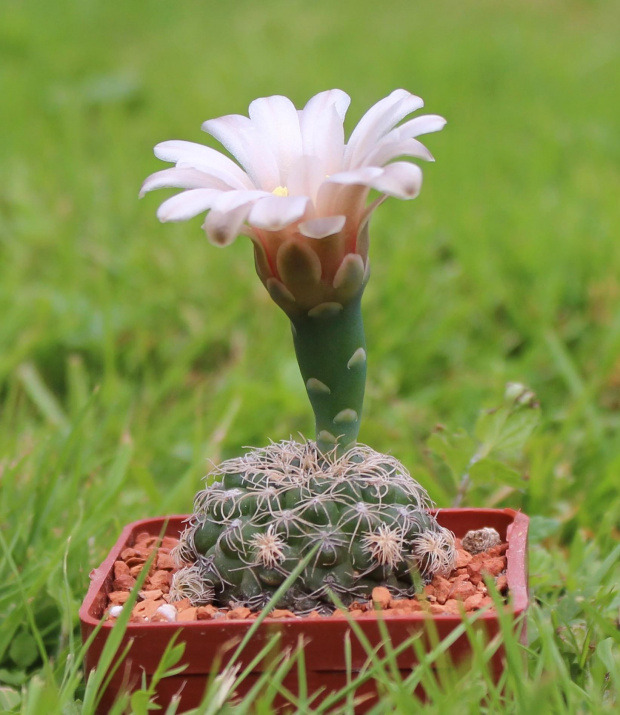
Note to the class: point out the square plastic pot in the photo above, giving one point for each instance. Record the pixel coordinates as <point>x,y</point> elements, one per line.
<point>324,638</point>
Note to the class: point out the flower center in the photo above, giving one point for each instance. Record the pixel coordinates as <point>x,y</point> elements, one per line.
<point>280,191</point>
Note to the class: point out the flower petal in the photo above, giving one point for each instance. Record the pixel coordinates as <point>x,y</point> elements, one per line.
<point>336,98</point>
<point>243,140</point>
<point>401,179</point>
<point>222,227</point>
<point>305,177</point>
<point>342,200</point>
<point>277,121</point>
<point>426,124</point>
<point>225,221</point>
<point>274,213</point>
<point>377,121</point>
<point>204,158</point>
<point>187,204</point>
<point>181,179</point>
<point>231,200</point>
<point>362,176</point>
<point>322,130</point>
<point>322,227</point>
<point>388,150</point>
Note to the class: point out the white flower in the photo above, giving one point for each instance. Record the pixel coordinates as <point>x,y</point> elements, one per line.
<point>298,186</point>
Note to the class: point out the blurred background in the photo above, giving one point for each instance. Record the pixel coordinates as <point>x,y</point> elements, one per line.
<point>505,268</point>
<point>131,352</point>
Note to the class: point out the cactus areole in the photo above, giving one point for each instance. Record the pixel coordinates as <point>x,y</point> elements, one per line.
<point>301,194</point>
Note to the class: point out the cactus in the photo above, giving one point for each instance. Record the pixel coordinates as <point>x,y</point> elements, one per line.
<point>301,195</point>
<point>266,511</point>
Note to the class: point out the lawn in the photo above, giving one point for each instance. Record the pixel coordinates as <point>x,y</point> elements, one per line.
<point>132,353</point>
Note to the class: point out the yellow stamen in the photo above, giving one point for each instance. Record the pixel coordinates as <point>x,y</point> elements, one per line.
<point>280,191</point>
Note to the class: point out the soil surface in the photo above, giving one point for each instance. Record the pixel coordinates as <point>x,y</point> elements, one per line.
<point>464,589</point>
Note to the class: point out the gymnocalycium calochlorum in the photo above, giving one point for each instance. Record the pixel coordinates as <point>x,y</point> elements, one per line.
<point>301,194</point>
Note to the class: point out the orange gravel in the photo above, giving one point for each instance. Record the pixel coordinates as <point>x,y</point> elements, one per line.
<point>463,589</point>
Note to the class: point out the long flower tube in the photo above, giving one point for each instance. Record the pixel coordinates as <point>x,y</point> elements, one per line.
<point>301,195</point>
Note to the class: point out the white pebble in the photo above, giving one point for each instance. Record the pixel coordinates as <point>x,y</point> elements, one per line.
<point>168,611</point>
<point>115,611</point>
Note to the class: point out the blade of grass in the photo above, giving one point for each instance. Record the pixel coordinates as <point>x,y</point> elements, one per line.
<point>42,396</point>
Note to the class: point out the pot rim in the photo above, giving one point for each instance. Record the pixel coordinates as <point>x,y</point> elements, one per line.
<point>516,536</point>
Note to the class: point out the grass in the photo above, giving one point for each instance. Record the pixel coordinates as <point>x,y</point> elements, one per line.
<point>130,353</point>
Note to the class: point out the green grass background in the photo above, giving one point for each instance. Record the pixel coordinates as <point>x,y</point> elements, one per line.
<point>131,353</point>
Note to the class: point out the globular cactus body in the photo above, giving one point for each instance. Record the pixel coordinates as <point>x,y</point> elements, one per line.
<point>363,515</point>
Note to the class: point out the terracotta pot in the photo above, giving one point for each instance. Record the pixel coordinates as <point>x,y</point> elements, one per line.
<point>324,638</point>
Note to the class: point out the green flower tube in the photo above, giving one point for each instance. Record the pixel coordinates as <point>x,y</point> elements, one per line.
<point>331,352</point>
